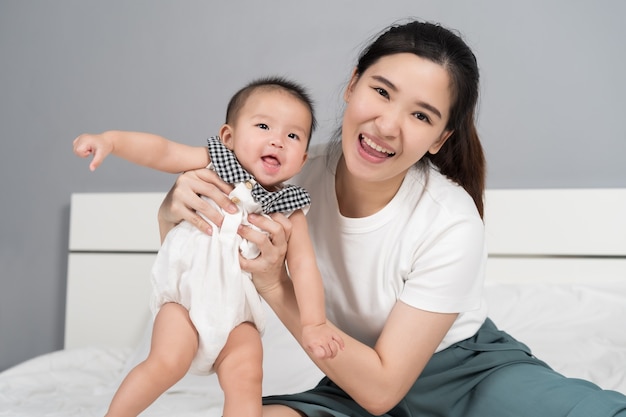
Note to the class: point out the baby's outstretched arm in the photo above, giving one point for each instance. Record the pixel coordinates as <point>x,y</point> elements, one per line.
<point>145,149</point>
<point>318,337</point>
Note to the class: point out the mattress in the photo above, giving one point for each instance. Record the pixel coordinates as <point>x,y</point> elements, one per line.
<point>576,328</point>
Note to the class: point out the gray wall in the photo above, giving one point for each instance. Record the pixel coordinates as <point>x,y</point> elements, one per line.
<point>551,114</point>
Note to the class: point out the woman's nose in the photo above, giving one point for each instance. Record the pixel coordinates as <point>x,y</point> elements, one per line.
<point>388,123</point>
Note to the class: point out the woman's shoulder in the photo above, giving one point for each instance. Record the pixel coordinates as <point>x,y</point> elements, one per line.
<point>439,191</point>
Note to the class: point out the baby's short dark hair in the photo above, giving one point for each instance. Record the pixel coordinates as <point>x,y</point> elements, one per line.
<point>238,100</point>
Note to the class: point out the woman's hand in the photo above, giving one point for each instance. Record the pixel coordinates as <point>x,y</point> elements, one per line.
<point>267,269</point>
<point>182,202</point>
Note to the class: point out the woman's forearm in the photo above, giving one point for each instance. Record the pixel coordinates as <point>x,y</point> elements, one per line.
<point>357,369</point>
<point>376,378</point>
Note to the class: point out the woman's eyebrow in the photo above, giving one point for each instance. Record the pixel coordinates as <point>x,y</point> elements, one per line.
<point>385,81</point>
<point>393,88</point>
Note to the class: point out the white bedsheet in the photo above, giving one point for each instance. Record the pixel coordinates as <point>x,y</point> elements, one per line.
<point>577,329</point>
<point>64,383</point>
<point>81,382</point>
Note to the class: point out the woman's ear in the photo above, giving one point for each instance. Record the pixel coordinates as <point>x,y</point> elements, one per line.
<point>348,92</point>
<point>226,135</point>
<point>434,148</point>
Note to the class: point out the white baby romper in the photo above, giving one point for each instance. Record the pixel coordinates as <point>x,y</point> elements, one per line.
<point>202,272</point>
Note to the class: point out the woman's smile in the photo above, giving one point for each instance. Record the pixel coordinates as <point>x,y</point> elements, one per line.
<point>370,146</point>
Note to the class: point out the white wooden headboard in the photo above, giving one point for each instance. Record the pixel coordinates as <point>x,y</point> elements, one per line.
<point>554,235</point>
<point>557,235</point>
<point>113,241</point>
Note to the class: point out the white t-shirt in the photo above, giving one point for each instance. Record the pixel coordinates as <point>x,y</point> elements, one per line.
<point>425,248</point>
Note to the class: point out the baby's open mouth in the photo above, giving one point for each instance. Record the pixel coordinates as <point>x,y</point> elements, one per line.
<point>271,160</point>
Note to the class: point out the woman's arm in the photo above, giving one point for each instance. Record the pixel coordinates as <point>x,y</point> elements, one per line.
<point>144,149</point>
<point>376,378</point>
<point>183,201</point>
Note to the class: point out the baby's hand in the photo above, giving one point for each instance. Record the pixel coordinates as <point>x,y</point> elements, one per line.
<point>97,145</point>
<point>321,341</point>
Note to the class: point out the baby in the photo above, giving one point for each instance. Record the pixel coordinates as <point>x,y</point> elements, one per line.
<point>208,315</point>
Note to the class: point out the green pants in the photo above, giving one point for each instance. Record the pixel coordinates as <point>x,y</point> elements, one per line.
<point>488,375</point>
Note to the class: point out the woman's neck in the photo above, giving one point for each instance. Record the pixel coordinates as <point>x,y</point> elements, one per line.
<point>358,198</point>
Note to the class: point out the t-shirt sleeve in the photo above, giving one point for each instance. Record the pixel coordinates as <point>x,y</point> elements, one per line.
<point>448,269</point>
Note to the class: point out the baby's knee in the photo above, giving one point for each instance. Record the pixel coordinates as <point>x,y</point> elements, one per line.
<point>175,366</point>
<point>241,366</point>
<point>243,362</point>
<point>242,374</point>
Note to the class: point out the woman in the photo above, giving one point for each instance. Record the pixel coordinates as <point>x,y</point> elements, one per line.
<point>396,223</point>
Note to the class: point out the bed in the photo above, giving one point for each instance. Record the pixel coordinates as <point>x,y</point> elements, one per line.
<point>556,279</point>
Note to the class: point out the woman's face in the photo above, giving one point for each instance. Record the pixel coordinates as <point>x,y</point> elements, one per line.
<point>396,111</point>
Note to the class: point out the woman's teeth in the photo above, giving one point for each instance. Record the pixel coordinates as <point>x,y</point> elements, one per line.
<point>376,147</point>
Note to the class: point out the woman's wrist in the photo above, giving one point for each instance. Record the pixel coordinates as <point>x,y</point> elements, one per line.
<point>164,216</point>
<point>164,226</point>
<point>275,289</point>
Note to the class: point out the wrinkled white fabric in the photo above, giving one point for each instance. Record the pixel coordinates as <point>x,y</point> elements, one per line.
<point>202,273</point>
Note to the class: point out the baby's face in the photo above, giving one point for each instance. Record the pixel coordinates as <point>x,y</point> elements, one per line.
<point>270,136</point>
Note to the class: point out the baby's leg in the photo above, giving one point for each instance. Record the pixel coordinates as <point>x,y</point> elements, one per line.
<point>239,368</point>
<point>174,345</point>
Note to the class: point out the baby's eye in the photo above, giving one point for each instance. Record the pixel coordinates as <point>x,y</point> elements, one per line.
<point>262,126</point>
<point>382,92</point>
<point>293,136</point>
<point>421,116</point>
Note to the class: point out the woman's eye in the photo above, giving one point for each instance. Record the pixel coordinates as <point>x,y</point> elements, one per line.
<point>263,126</point>
<point>421,116</point>
<point>382,92</point>
<point>293,136</point>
